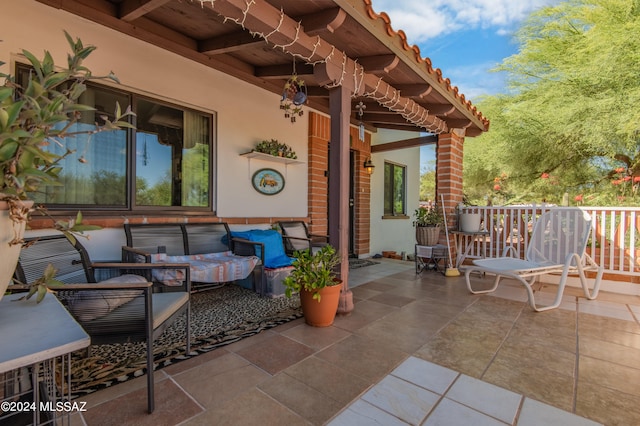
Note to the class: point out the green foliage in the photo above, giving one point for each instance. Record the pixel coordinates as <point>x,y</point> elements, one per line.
<point>428,216</point>
<point>43,113</point>
<point>569,114</point>
<point>312,272</point>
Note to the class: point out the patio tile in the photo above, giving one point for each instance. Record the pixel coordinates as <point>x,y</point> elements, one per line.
<point>614,376</point>
<point>402,399</point>
<point>426,374</point>
<point>214,390</point>
<point>361,413</point>
<point>605,405</point>
<point>532,353</point>
<point>535,413</point>
<point>392,299</point>
<point>364,313</point>
<point>605,309</point>
<point>486,398</point>
<point>590,324</point>
<point>462,348</point>
<point>300,398</point>
<point>543,337</point>
<point>275,354</point>
<point>404,337</point>
<point>363,356</point>
<point>172,404</point>
<point>263,411</point>
<point>329,378</point>
<point>316,338</point>
<point>608,351</point>
<point>538,383</point>
<point>449,412</point>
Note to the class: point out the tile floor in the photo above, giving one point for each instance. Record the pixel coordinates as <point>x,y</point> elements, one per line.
<point>417,349</point>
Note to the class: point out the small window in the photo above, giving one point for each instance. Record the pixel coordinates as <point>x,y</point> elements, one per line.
<point>394,189</point>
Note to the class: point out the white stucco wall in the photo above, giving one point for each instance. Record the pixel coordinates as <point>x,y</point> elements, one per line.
<point>245,115</point>
<point>394,234</point>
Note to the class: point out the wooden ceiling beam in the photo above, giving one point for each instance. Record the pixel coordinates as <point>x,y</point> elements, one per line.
<point>333,66</point>
<point>441,110</point>
<point>229,43</point>
<point>379,64</point>
<point>283,71</point>
<point>130,10</point>
<point>327,21</point>
<point>414,90</point>
<point>407,143</point>
<point>458,123</point>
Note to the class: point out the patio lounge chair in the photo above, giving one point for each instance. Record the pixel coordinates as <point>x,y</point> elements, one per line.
<point>120,309</point>
<point>558,245</point>
<point>296,236</point>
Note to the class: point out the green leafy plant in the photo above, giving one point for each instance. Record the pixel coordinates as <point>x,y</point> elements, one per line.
<point>42,113</point>
<point>428,216</point>
<point>35,115</point>
<point>275,148</point>
<point>312,271</point>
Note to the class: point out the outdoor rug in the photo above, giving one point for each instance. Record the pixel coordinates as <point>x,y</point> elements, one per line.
<point>360,263</point>
<point>218,317</point>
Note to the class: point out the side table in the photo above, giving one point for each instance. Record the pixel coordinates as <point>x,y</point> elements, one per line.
<point>464,243</point>
<point>37,341</point>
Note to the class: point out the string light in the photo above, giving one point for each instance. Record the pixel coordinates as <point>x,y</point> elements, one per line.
<point>411,109</point>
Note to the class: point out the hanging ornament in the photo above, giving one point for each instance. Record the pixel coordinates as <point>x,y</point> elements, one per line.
<point>294,95</point>
<point>361,107</point>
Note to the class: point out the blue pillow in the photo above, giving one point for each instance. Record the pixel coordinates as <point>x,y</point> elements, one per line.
<point>274,256</point>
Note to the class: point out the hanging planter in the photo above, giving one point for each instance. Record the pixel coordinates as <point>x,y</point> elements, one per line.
<point>294,95</point>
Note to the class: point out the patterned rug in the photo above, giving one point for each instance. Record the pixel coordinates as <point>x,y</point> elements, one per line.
<point>361,263</point>
<point>218,317</point>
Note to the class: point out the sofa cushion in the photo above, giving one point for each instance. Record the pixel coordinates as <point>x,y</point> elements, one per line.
<point>88,305</point>
<point>205,268</point>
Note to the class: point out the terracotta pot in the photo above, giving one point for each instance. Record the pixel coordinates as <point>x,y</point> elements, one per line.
<point>427,235</point>
<point>321,314</point>
<point>9,253</point>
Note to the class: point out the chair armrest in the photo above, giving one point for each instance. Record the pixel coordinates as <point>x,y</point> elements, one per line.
<point>129,253</point>
<point>323,238</point>
<point>308,240</point>
<point>131,267</point>
<point>244,247</point>
<point>99,286</point>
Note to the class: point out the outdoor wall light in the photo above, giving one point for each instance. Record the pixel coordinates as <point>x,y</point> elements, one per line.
<point>368,165</point>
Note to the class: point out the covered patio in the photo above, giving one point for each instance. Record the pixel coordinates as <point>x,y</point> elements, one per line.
<point>418,349</point>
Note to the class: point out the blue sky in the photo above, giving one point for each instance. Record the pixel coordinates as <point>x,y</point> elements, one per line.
<point>464,38</point>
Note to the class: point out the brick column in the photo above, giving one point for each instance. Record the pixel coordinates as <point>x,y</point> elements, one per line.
<point>449,155</point>
<point>319,130</point>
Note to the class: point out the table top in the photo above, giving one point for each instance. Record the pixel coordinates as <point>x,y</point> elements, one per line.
<point>33,332</point>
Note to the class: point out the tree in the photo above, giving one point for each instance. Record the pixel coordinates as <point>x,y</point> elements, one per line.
<point>569,122</point>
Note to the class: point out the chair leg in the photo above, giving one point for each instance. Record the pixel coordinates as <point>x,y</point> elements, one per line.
<point>471,269</point>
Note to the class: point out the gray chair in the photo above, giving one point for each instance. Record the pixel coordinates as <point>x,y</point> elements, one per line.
<point>123,308</point>
<point>296,236</point>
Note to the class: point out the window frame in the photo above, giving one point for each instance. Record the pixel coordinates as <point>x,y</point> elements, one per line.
<point>130,207</point>
<point>390,191</point>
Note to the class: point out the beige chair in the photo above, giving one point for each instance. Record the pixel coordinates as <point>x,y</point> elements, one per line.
<point>557,245</point>
<point>296,236</point>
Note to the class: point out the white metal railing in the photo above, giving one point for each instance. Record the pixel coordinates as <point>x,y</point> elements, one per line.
<point>614,242</point>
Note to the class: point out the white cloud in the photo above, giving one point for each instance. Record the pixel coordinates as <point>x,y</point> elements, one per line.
<point>422,20</point>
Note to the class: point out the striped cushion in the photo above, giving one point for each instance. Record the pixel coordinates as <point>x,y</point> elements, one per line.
<point>205,268</point>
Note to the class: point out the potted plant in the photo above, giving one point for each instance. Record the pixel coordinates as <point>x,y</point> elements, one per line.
<point>314,277</point>
<point>35,115</point>
<point>427,222</point>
